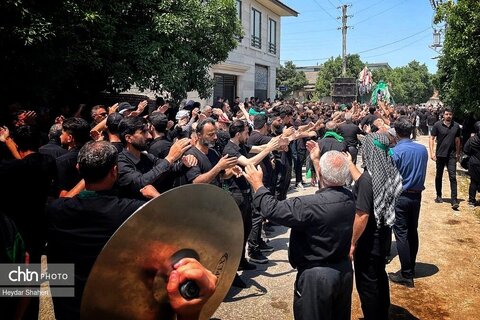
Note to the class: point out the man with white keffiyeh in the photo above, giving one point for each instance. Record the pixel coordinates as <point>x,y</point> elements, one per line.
<point>376,191</point>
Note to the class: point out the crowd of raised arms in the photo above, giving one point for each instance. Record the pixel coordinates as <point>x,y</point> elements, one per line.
<point>72,179</point>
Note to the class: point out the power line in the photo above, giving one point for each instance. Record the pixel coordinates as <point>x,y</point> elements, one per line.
<point>372,49</point>
<point>332,4</point>
<point>397,41</point>
<point>377,14</point>
<point>326,11</point>
<point>407,45</point>
<point>364,9</point>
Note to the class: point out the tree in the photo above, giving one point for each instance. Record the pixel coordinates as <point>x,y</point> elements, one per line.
<point>289,77</point>
<point>65,50</point>
<point>459,66</point>
<point>333,69</point>
<point>409,84</point>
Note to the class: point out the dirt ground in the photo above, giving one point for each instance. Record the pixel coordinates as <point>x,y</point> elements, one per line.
<point>447,284</point>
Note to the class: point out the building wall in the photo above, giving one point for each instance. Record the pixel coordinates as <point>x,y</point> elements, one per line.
<point>242,60</point>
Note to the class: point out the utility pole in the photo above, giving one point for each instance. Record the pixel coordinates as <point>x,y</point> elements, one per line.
<point>344,29</point>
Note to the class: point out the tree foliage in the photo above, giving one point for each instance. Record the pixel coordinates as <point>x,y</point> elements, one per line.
<point>333,69</point>
<point>409,84</point>
<point>61,50</point>
<point>459,65</point>
<point>289,77</point>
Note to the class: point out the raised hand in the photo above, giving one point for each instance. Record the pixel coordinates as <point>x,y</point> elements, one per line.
<point>314,150</point>
<point>227,162</point>
<point>254,176</point>
<point>177,150</point>
<point>189,161</point>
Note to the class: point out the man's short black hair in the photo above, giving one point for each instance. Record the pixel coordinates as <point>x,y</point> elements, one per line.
<point>259,121</point>
<point>159,101</point>
<point>238,126</point>
<point>447,109</point>
<point>130,126</point>
<point>202,124</point>
<point>159,121</point>
<point>403,127</point>
<point>78,128</point>
<point>372,109</point>
<point>113,120</point>
<point>96,159</point>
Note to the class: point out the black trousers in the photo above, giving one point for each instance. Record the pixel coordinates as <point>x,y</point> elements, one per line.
<point>407,211</point>
<point>283,171</point>
<point>255,235</point>
<point>298,162</point>
<point>451,164</point>
<point>474,172</point>
<point>244,202</point>
<point>372,285</point>
<point>324,293</point>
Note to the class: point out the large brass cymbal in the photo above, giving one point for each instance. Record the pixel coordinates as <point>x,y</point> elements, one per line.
<point>128,278</point>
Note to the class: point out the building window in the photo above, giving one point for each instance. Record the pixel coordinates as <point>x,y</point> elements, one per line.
<point>225,86</point>
<point>239,10</point>
<point>272,36</point>
<point>261,82</point>
<point>256,27</point>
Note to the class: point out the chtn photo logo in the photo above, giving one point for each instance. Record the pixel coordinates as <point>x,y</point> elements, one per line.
<point>26,275</point>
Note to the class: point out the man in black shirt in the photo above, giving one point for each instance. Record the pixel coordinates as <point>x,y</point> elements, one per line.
<point>369,118</point>
<point>447,135</point>
<point>238,186</point>
<point>79,227</point>
<point>160,145</point>
<point>75,133</point>
<point>432,118</point>
<point>349,131</point>
<point>53,148</point>
<point>211,167</point>
<point>259,136</point>
<point>138,169</point>
<point>376,192</point>
<point>319,240</point>
<point>331,140</point>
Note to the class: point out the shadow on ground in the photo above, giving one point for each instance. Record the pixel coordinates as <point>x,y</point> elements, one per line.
<point>423,270</point>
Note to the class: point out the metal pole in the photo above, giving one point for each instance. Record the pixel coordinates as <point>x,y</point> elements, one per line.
<point>344,40</point>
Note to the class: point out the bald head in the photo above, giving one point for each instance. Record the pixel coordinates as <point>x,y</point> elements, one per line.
<point>330,126</point>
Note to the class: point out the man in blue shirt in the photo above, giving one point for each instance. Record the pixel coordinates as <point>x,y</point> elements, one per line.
<point>411,160</point>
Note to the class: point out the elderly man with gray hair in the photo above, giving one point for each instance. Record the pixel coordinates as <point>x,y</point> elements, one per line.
<point>320,237</point>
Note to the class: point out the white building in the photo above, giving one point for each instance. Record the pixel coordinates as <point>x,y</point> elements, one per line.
<point>250,70</point>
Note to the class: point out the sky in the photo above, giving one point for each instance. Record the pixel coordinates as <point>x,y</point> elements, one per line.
<point>393,31</point>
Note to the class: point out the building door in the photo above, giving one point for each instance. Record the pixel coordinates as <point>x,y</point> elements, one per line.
<point>261,82</point>
<point>225,86</point>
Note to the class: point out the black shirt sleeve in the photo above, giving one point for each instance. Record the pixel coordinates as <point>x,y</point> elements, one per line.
<point>364,193</point>
<point>130,176</point>
<point>288,212</point>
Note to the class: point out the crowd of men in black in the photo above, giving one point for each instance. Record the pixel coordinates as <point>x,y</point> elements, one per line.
<point>76,189</point>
